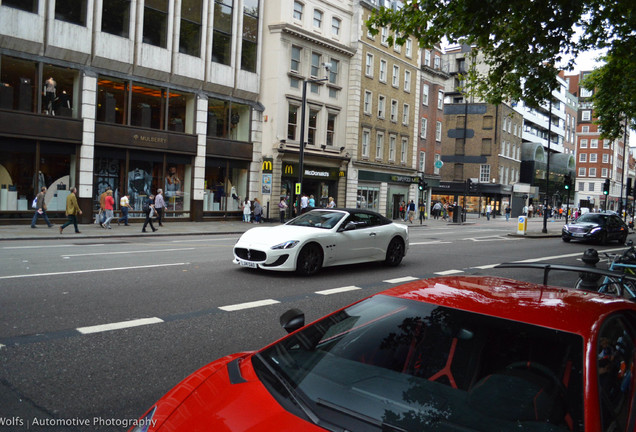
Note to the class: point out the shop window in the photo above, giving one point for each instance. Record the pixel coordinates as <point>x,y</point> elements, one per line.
<point>190,29</point>
<point>25,5</point>
<point>72,11</point>
<point>18,89</point>
<point>368,198</point>
<point>116,17</point>
<point>112,103</point>
<point>145,172</point>
<point>64,99</point>
<point>218,121</point>
<point>18,182</point>
<point>108,171</point>
<point>155,30</point>
<point>250,35</point>
<point>179,105</point>
<point>240,122</point>
<point>225,185</point>
<point>177,185</point>
<point>146,108</point>
<point>222,33</point>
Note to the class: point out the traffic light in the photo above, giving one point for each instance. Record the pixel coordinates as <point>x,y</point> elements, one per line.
<point>421,184</point>
<point>606,187</point>
<point>469,185</point>
<point>566,181</point>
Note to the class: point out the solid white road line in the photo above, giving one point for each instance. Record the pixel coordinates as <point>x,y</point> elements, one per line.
<point>129,252</point>
<point>50,246</point>
<point>484,267</point>
<point>338,290</point>
<point>249,305</point>
<point>205,240</point>
<point>429,242</point>
<point>119,325</point>
<point>91,271</point>
<point>400,280</point>
<point>449,272</point>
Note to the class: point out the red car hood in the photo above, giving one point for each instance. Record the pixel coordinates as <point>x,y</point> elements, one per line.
<point>208,401</point>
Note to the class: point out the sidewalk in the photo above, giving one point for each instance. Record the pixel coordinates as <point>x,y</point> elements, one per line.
<point>25,232</point>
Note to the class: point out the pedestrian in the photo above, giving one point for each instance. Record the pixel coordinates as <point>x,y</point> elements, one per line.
<point>402,211</point>
<point>124,205</point>
<point>149,210</point>
<point>304,203</point>
<point>488,211</point>
<point>437,209</point>
<point>311,202</point>
<point>282,208</point>
<point>109,205</point>
<point>422,212</point>
<point>258,211</point>
<point>530,210</point>
<point>247,210</point>
<point>40,209</point>
<point>101,215</point>
<point>72,210</point>
<point>411,211</point>
<point>445,214</point>
<point>331,203</point>
<point>160,206</point>
<point>508,210</point>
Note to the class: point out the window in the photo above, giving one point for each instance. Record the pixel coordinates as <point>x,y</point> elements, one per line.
<point>486,146</point>
<point>379,145</point>
<point>505,121</point>
<point>409,48</point>
<point>331,128</point>
<point>440,99</point>
<point>423,127</point>
<point>438,157</point>
<point>25,5</point>
<point>407,81</point>
<point>392,142</point>
<point>585,129</point>
<point>365,143</point>
<point>427,58</point>
<point>583,143</point>
<point>484,173</point>
<point>384,35</point>
<point>594,143</point>
<point>298,10</point>
<point>394,110</point>
<point>438,131</point>
<point>593,157</point>
<point>422,161</point>
<point>438,61</point>
<point>317,18</point>
<point>190,29</point>
<point>381,106</point>
<point>312,124</point>
<point>604,172</point>
<point>315,64</point>
<point>74,11</point>
<point>395,80</point>
<point>405,114</point>
<point>592,172</point>
<point>383,71</point>
<point>404,150</point>
<point>582,157</point>
<point>585,92</point>
<point>606,144</point>
<point>222,33</point>
<point>368,69</point>
<point>367,101</point>
<point>115,17</point>
<point>335,27</point>
<point>292,122</point>
<point>581,172</point>
<point>424,94</point>
<point>155,23</point>
<point>586,115</point>
<point>333,71</point>
<point>295,59</point>
<point>250,35</point>
<point>605,158</point>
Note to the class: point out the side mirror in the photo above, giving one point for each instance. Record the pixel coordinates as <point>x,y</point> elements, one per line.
<point>292,320</point>
<point>349,226</point>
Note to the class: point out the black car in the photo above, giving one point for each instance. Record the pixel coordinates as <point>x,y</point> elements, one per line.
<point>601,227</point>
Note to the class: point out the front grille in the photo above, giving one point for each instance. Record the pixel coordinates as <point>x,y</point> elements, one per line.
<point>250,254</point>
<point>576,229</point>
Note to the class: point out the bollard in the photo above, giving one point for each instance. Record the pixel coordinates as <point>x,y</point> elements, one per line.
<point>589,281</point>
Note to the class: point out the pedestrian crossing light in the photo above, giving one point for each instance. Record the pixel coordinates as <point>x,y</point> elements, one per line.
<point>606,187</point>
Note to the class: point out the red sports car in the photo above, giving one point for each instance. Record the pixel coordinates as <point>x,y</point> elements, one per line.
<point>468,353</point>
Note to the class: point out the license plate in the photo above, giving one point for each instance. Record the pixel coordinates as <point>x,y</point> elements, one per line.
<point>577,235</point>
<point>247,263</point>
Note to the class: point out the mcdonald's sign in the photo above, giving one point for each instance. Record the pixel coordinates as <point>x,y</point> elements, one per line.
<point>268,165</point>
<point>289,169</point>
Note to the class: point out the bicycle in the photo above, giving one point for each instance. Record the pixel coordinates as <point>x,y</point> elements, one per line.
<point>620,282</point>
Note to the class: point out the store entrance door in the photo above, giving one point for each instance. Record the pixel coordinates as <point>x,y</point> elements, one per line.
<point>397,199</point>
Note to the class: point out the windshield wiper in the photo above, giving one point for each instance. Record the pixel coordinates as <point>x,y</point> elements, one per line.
<point>385,427</point>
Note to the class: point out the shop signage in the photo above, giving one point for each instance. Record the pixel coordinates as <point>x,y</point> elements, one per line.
<point>150,139</point>
<point>312,172</point>
<point>389,178</point>
<point>268,165</point>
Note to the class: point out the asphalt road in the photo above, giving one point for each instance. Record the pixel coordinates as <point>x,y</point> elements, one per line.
<point>93,331</point>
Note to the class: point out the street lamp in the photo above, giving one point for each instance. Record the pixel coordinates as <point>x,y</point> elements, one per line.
<point>301,157</point>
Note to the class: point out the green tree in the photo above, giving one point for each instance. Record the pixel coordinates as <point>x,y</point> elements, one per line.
<point>522,41</point>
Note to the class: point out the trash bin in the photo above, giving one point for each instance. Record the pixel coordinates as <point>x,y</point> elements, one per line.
<point>522,225</point>
<point>458,214</point>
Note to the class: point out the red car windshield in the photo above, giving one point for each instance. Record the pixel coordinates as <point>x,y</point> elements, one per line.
<point>393,364</point>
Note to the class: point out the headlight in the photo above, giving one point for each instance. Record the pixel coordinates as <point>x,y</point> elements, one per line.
<point>595,230</point>
<point>145,422</point>
<point>287,245</point>
<point>565,228</point>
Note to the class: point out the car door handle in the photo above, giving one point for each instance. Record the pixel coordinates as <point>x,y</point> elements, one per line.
<point>372,234</point>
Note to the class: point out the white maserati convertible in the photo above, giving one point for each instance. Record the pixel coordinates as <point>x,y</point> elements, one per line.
<point>322,238</point>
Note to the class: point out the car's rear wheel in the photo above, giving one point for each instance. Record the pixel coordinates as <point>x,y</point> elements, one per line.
<point>309,260</point>
<point>623,239</point>
<point>395,252</point>
<point>602,239</point>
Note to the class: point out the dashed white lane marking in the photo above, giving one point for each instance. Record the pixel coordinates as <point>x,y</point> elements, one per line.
<point>129,252</point>
<point>429,242</point>
<point>489,238</point>
<point>449,272</point>
<point>338,290</point>
<point>91,271</point>
<point>400,280</point>
<point>249,305</point>
<point>205,240</point>
<point>51,246</point>
<point>119,325</point>
<point>484,267</point>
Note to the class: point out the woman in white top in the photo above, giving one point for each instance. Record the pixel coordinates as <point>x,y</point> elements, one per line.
<point>247,210</point>
<point>332,203</point>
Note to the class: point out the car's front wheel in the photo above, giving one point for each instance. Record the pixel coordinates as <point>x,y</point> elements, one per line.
<point>395,252</point>
<point>566,239</point>
<point>309,260</point>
